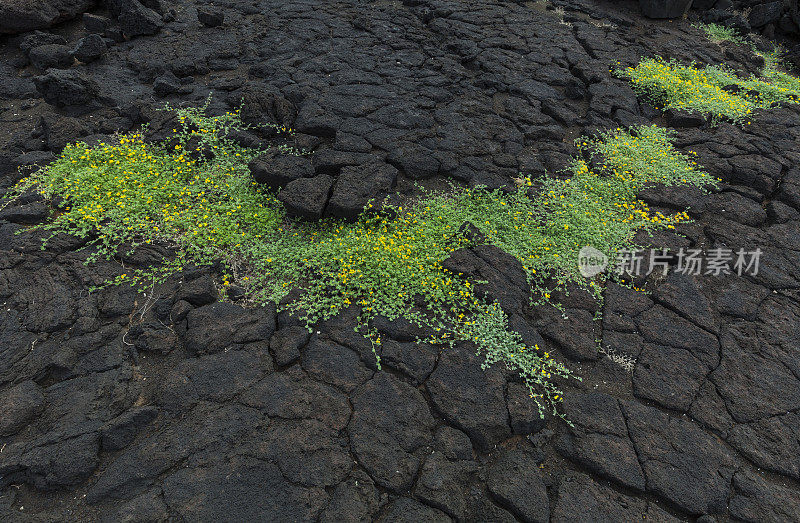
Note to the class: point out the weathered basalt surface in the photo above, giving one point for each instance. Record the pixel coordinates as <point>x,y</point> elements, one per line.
<point>122,406</point>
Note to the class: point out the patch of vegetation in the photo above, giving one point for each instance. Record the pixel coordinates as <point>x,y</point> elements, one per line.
<point>712,89</point>
<point>774,65</point>
<point>715,89</point>
<point>200,200</point>
<point>774,72</point>
<point>719,33</point>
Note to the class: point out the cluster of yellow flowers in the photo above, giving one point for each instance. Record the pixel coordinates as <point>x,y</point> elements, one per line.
<point>713,89</point>
<point>200,199</point>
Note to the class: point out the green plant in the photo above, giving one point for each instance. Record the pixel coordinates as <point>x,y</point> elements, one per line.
<point>719,33</point>
<point>773,71</point>
<point>773,62</point>
<point>712,89</point>
<point>195,194</point>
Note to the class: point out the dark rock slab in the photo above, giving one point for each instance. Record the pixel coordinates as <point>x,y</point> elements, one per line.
<point>740,378</point>
<point>681,118</point>
<point>50,465</point>
<point>574,335</point>
<point>66,87</point>
<point>210,16</point>
<point>662,326</point>
<point>290,395</point>
<point>681,462</point>
<point>416,161</point>
<point>671,377</point>
<point>452,487</point>
<point>121,431</point>
<point>334,364</point>
<point>205,427</point>
<point>734,206</point>
<point>709,409</point>
<point>738,297</point>
<point>771,443</point>
<point>154,337</point>
<point>513,478</point>
<point>286,343</point>
<point>307,197</point>
<point>391,424</point>
<point>90,48</point>
<point>214,377</point>
<point>416,360</point>
<point>168,84</point>
<point>96,24</point>
<point>525,417</point>
<point>199,291</point>
<point>19,405</point>
<point>51,55</point>
<point>19,16</point>
<point>214,327</point>
<point>755,499</point>
<point>138,20</point>
<point>582,499</point>
<point>307,452</point>
<point>765,13</point>
<point>149,506</point>
<point>507,282</point>
<point>442,483</point>
<point>684,293</point>
<point>453,443</point>
<point>355,499</point>
<point>277,171</point>
<point>407,510</point>
<point>620,305</point>
<point>599,439</point>
<point>358,186</point>
<point>242,489</point>
<point>469,397</point>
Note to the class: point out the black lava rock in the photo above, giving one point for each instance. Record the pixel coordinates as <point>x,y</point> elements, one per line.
<point>306,197</point>
<point>39,38</point>
<point>357,186</point>
<point>677,118</point>
<point>766,13</point>
<point>29,213</point>
<point>19,16</point>
<point>417,162</point>
<point>66,88</point>
<point>96,24</point>
<point>167,84</point>
<point>664,8</point>
<point>286,344</point>
<point>19,405</point>
<point>136,20</point>
<point>120,431</point>
<point>210,16</point>
<point>214,327</point>
<point>277,171</point>
<point>199,291</point>
<point>90,48</point>
<point>51,55</point>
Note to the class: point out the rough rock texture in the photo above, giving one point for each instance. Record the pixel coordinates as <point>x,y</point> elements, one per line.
<point>194,409</point>
<point>18,16</point>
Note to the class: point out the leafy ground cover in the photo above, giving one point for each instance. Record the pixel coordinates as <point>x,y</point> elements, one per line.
<point>713,89</point>
<point>194,193</point>
<point>774,64</point>
<point>719,33</point>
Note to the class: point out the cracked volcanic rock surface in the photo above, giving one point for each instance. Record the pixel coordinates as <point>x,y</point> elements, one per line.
<point>125,407</point>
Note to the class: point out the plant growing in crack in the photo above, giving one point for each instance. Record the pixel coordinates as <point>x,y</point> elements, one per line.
<point>194,193</point>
